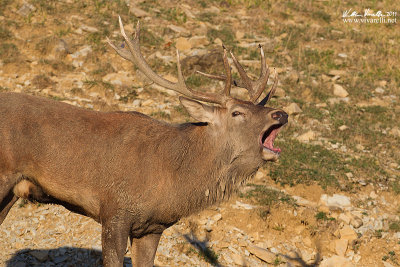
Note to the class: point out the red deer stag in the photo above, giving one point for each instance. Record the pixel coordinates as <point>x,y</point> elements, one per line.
<point>135,175</point>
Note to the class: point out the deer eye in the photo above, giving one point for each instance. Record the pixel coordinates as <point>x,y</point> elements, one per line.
<point>236,113</point>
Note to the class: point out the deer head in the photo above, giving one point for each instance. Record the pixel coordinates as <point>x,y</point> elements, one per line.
<point>246,127</point>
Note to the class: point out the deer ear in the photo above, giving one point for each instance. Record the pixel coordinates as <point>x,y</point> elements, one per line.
<point>199,111</point>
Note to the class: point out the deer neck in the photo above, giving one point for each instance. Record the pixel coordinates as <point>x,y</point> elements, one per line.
<point>211,165</point>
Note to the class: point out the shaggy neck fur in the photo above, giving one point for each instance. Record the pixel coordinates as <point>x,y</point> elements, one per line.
<point>208,167</point>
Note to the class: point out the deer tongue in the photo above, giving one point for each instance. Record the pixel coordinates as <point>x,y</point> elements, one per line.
<point>269,141</point>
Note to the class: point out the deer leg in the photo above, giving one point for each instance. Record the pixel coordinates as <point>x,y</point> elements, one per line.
<point>143,250</point>
<point>115,232</point>
<point>7,197</point>
<point>6,205</point>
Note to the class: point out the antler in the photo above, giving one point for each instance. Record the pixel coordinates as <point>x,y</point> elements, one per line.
<point>134,55</point>
<point>271,92</point>
<point>255,88</point>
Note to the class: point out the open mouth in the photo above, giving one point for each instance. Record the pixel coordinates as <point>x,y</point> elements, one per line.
<point>268,137</point>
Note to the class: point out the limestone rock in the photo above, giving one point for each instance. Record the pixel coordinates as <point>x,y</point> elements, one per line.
<point>343,217</point>
<point>197,41</point>
<point>217,41</point>
<point>178,29</point>
<point>280,92</point>
<point>293,109</point>
<point>337,72</point>
<point>183,44</point>
<point>336,201</point>
<point>119,78</point>
<point>339,91</point>
<point>262,254</point>
<point>241,205</point>
<point>348,233</point>
<point>306,137</point>
<point>238,259</point>
<point>87,28</point>
<point>341,246</point>
<point>259,176</point>
<point>26,9</point>
<point>137,12</point>
<point>336,261</point>
<point>387,264</point>
<point>239,35</point>
<point>304,202</point>
<point>395,131</point>
<point>356,222</point>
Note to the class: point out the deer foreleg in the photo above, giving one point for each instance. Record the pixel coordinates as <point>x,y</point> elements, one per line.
<point>143,250</point>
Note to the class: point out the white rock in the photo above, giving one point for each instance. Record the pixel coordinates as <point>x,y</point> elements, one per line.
<point>337,72</point>
<point>26,9</point>
<point>83,52</point>
<point>217,41</point>
<point>343,217</point>
<point>348,233</point>
<point>397,235</point>
<point>379,90</point>
<point>339,91</point>
<point>238,260</point>
<point>336,261</point>
<point>87,28</point>
<point>387,264</point>
<point>262,254</point>
<point>212,9</point>
<point>335,201</point>
<point>178,29</point>
<point>293,109</point>
<point>395,131</point>
<point>119,78</point>
<point>304,202</point>
<point>356,222</point>
<point>306,137</point>
<point>241,205</point>
<point>337,100</point>
<point>373,195</point>
<point>137,12</point>
<point>343,127</point>
<point>341,246</point>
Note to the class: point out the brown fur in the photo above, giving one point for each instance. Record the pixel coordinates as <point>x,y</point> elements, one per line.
<point>133,174</point>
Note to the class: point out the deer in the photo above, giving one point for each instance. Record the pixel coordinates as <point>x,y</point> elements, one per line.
<point>135,175</point>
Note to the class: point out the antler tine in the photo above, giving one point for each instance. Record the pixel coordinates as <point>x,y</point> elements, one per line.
<point>255,88</point>
<point>247,83</point>
<point>228,82</point>
<point>134,55</point>
<point>261,83</point>
<point>271,92</point>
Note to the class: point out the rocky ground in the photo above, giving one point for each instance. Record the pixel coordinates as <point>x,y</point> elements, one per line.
<point>332,198</point>
<point>339,229</point>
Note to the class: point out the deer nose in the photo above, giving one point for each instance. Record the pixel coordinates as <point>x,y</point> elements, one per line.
<point>280,116</point>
